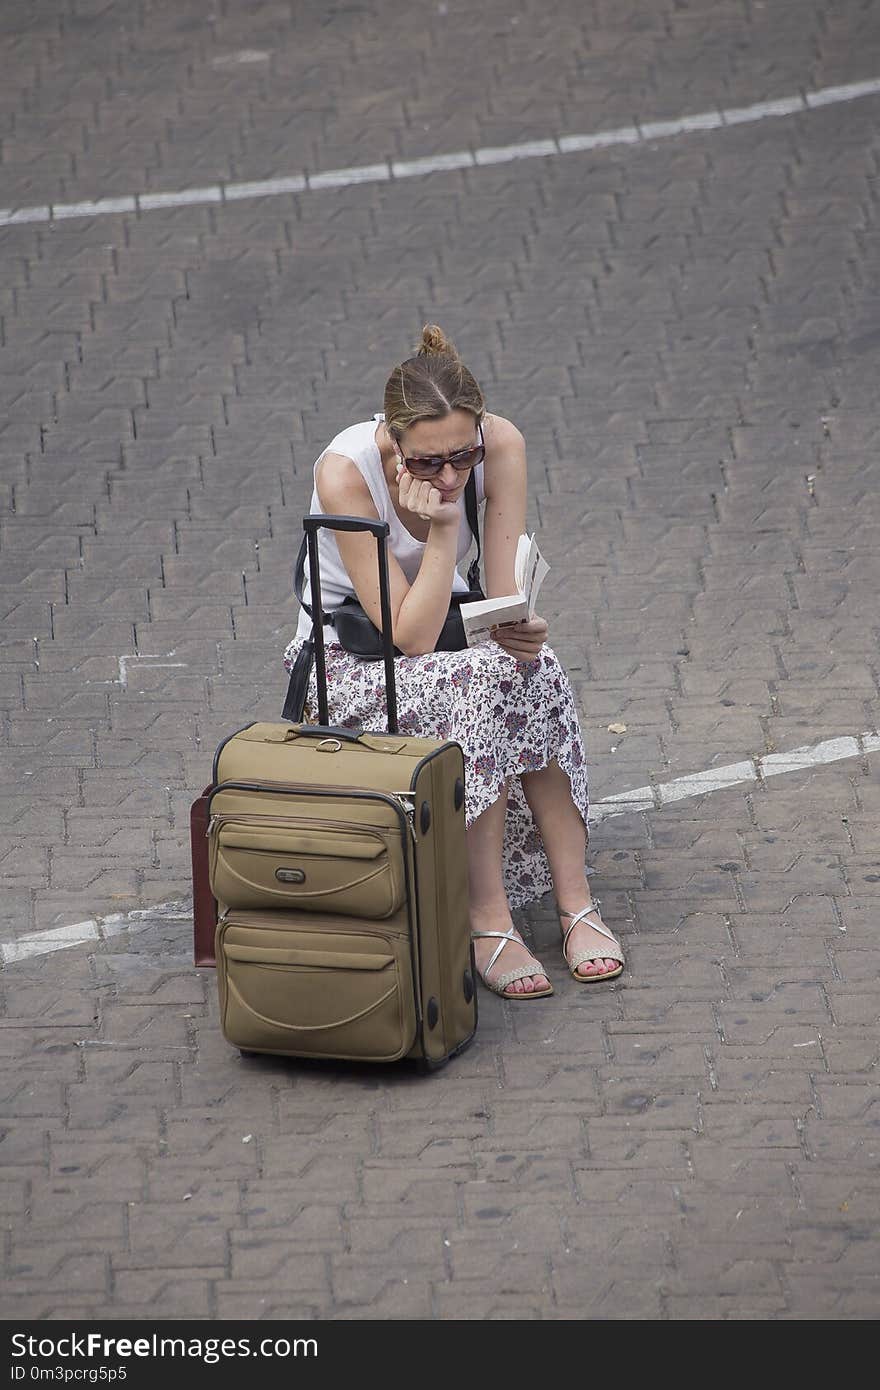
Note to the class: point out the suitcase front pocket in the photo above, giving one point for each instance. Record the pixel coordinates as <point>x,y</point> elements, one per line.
<point>330,994</point>
<point>257,863</point>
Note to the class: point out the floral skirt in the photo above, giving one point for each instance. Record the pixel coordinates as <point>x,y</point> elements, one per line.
<point>509,717</point>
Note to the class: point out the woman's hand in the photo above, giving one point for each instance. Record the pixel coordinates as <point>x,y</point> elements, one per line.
<point>418,495</point>
<point>522,640</point>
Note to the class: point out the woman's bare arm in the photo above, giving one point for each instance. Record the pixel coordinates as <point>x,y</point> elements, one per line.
<point>504,476</point>
<point>505,520</point>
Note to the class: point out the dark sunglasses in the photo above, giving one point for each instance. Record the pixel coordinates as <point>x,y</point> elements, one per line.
<point>431,464</point>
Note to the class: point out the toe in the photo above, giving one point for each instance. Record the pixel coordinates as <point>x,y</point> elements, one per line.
<point>591,967</point>
<point>530,983</point>
<point>597,967</point>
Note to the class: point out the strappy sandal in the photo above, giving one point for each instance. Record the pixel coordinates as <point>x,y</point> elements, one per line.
<point>500,983</point>
<point>579,958</point>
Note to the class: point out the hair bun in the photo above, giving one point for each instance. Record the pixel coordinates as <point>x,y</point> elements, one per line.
<point>434,343</point>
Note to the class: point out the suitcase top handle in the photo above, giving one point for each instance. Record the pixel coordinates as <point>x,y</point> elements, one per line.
<point>311,730</point>
<point>314,522</point>
<point>378,743</point>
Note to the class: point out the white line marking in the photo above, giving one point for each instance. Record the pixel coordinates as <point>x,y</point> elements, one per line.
<point>661,130</point>
<point>9,217</point>
<point>264,188</point>
<point>245,55</point>
<point>343,178</point>
<point>762,110</point>
<point>646,132</point>
<point>211,194</point>
<point>828,752</point>
<point>826,96</point>
<point>42,943</point>
<point>640,799</point>
<point>38,943</point>
<point>100,207</point>
<point>500,154</point>
<point>146,661</point>
<point>432,164</point>
<point>712,780</point>
<point>624,135</point>
<point>716,779</point>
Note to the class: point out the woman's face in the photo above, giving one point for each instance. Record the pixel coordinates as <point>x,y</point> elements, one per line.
<point>434,438</point>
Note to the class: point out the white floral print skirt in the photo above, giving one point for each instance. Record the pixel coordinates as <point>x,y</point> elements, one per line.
<point>509,717</point>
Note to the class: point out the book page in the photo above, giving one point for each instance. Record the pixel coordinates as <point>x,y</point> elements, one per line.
<point>481,617</point>
<point>530,569</point>
<point>524,547</point>
<point>537,571</point>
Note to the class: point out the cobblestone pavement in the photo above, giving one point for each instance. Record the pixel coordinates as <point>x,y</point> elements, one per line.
<point>686,330</point>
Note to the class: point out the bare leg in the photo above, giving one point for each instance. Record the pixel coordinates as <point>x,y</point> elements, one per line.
<point>548,792</point>
<point>488,901</point>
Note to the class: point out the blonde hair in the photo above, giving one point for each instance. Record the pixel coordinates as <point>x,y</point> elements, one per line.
<point>430,385</point>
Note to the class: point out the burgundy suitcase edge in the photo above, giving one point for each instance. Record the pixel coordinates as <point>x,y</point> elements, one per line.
<point>204,902</point>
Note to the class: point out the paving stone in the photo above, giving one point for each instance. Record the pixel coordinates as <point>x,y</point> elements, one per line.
<point>157,1294</point>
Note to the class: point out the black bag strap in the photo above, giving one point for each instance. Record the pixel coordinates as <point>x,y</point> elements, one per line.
<point>470,509</point>
<point>299,577</point>
<point>298,685</point>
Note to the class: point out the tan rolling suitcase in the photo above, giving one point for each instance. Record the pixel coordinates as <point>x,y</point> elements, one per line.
<point>339,865</point>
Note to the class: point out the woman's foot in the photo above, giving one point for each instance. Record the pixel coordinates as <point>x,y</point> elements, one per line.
<point>585,942</point>
<point>511,955</point>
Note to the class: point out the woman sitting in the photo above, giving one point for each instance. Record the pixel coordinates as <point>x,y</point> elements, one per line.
<point>507,702</point>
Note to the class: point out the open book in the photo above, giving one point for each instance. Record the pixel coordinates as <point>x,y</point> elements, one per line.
<point>529,570</point>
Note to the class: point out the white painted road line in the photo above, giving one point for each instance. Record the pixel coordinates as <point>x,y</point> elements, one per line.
<point>42,943</point>
<point>639,799</point>
<point>264,188</point>
<point>96,929</point>
<point>717,779</point>
<point>183,198</point>
<point>643,133</point>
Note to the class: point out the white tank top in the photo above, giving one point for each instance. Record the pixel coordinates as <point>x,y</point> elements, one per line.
<point>358,443</point>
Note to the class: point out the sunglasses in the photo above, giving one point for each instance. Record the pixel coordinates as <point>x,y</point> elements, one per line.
<point>429,465</point>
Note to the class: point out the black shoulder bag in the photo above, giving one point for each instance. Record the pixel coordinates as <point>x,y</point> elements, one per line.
<point>358,635</point>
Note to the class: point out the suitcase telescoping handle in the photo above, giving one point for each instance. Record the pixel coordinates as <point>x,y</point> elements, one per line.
<point>381,530</point>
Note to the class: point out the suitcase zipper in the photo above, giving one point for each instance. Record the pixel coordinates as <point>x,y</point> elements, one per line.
<point>408,802</point>
<point>250,818</point>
